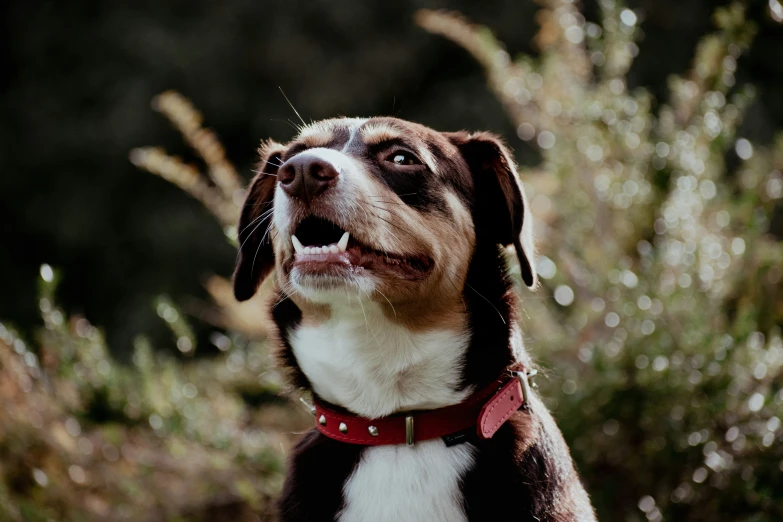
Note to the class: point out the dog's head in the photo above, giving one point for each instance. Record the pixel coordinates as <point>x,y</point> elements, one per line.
<point>381,208</point>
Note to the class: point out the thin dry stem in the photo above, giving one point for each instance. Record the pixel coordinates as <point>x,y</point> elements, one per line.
<point>188,121</point>
<point>186,177</point>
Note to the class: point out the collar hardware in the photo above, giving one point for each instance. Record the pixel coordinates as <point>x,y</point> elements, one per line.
<point>485,411</point>
<point>524,380</point>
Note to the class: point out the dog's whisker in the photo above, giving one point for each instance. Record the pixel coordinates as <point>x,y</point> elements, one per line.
<point>395,225</point>
<point>262,173</point>
<point>487,300</point>
<point>266,233</point>
<point>366,323</point>
<point>400,195</point>
<point>279,164</point>
<point>387,300</point>
<point>387,199</point>
<point>239,232</point>
<point>258,248</point>
<point>388,202</point>
<point>249,236</point>
<point>289,122</point>
<point>366,215</point>
<point>292,106</point>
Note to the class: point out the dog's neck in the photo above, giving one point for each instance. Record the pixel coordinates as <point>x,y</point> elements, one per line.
<point>359,357</point>
<point>365,362</point>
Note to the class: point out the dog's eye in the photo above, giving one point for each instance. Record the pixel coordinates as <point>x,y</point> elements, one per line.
<point>402,157</point>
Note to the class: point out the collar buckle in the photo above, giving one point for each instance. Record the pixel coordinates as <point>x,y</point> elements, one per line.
<point>409,430</point>
<point>524,379</point>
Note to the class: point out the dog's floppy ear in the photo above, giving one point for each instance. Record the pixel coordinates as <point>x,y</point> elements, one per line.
<point>501,209</point>
<point>256,257</point>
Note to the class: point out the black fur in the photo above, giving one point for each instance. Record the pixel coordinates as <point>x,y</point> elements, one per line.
<point>488,298</point>
<point>504,486</point>
<point>417,187</point>
<point>287,316</point>
<point>313,490</point>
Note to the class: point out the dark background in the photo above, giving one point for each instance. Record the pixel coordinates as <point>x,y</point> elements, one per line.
<point>77,80</point>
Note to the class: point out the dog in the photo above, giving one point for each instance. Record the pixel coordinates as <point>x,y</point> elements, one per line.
<point>394,307</point>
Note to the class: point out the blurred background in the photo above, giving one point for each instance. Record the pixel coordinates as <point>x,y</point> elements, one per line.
<point>648,134</point>
<point>79,78</point>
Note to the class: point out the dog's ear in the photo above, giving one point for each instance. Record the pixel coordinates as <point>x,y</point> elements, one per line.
<point>256,257</point>
<point>501,209</point>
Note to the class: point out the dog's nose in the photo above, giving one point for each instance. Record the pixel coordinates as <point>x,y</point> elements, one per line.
<point>306,176</point>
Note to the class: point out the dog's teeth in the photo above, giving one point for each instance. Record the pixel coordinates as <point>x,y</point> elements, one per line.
<point>334,248</point>
<point>298,248</point>
<point>343,243</point>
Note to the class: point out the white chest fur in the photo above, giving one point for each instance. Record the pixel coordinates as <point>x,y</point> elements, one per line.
<point>373,367</point>
<point>416,484</point>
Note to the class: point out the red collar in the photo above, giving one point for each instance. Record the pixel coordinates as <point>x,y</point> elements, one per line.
<point>486,409</point>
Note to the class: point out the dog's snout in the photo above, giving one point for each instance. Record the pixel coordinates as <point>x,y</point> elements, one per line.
<point>306,176</point>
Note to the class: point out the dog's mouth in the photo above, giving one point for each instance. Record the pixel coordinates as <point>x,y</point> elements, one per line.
<point>324,248</point>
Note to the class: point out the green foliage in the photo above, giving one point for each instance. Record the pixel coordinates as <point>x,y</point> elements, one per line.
<point>660,310</point>
<point>85,438</point>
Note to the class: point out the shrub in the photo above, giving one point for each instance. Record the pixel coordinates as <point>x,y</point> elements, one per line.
<point>660,309</point>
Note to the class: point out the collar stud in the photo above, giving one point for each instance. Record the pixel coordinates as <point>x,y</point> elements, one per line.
<point>484,411</point>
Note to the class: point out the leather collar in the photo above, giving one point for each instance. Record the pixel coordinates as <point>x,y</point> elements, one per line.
<point>486,410</point>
